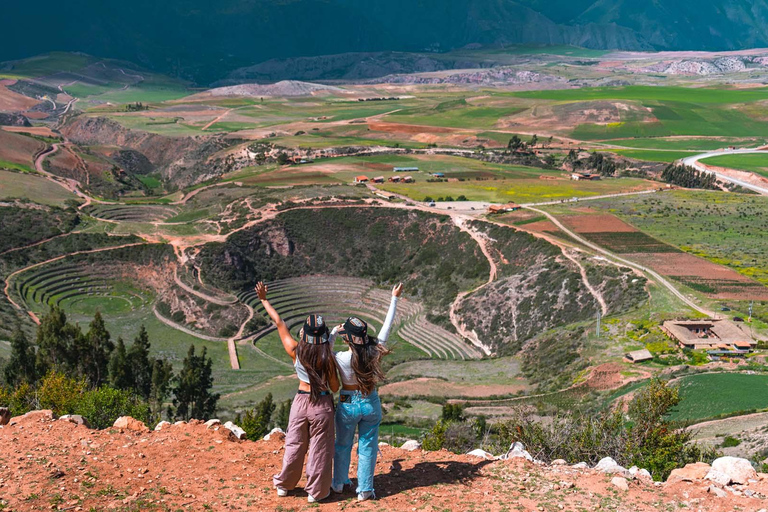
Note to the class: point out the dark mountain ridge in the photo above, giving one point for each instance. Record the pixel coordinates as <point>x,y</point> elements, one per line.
<point>203,40</point>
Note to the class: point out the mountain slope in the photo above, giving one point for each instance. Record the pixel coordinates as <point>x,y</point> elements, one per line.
<point>203,40</point>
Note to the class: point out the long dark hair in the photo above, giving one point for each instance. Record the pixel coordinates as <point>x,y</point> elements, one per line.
<point>366,362</point>
<point>320,364</point>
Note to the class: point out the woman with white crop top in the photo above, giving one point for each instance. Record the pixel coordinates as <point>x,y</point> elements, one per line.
<point>311,423</point>
<point>359,406</point>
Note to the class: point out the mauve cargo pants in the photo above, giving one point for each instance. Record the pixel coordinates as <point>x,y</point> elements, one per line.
<point>310,427</point>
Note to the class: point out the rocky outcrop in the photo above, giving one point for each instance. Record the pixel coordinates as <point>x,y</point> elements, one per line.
<point>5,416</point>
<point>738,470</point>
<point>13,120</point>
<point>130,424</point>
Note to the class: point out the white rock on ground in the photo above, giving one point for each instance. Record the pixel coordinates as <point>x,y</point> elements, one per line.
<point>239,433</point>
<point>411,445</point>
<point>482,454</point>
<point>160,426</point>
<point>739,470</point>
<point>717,477</point>
<point>717,491</point>
<point>609,466</point>
<point>517,450</point>
<point>212,423</point>
<point>273,431</point>
<point>620,482</point>
<point>559,462</point>
<point>580,465</point>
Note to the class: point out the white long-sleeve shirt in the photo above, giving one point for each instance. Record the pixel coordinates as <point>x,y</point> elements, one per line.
<point>344,358</point>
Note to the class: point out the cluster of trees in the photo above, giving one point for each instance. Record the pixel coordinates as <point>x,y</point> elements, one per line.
<point>113,374</point>
<point>597,162</point>
<point>643,437</point>
<point>136,107</point>
<point>688,177</point>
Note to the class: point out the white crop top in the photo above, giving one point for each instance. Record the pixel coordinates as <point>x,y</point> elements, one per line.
<point>344,359</point>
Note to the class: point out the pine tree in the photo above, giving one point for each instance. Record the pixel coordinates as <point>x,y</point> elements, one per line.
<point>21,367</point>
<point>57,342</point>
<point>94,350</point>
<point>162,376</point>
<point>120,374</point>
<point>257,421</point>
<point>193,398</point>
<point>141,365</point>
<point>283,414</point>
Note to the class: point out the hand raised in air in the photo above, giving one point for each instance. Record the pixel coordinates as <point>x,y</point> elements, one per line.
<point>261,290</point>
<point>397,290</point>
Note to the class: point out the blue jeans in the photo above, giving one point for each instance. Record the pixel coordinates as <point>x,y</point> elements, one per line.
<point>364,413</point>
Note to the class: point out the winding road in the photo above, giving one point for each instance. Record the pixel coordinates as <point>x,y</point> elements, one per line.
<point>656,276</point>
<point>694,161</point>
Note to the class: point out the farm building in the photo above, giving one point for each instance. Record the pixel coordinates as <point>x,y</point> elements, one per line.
<point>395,179</point>
<point>408,179</point>
<point>361,179</point>
<point>438,174</point>
<point>503,208</point>
<point>405,169</point>
<point>709,334</point>
<point>378,179</point>
<point>578,176</point>
<point>638,356</point>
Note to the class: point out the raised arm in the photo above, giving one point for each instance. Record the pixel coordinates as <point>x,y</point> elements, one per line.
<point>384,334</point>
<point>289,344</point>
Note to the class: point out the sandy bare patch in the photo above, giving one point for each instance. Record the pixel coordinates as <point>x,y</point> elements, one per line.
<point>15,102</point>
<point>425,386</point>
<point>597,224</point>
<point>381,126</point>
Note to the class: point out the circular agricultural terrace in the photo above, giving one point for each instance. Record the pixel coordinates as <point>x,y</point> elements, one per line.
<point>336,298</point>
<point>131,213</point>
<point>78,289</point>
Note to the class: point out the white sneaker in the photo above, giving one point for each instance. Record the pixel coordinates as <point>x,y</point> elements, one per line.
<point>281,493</point>
<point>366,495</point>
<point>312,499</point>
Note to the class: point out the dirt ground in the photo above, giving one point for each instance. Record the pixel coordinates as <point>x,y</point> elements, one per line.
<point>596,224</point>
<point>424,386</point>
<point>57,465</point>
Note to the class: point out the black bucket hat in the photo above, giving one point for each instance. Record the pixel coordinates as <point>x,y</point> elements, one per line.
<point>355,331</point>
<point>314,332</point>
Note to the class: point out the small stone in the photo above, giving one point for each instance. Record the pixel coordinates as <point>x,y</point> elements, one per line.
<point>239,432</point>
<point>481,454</point>
<point>411,445</point>
<point>76,419</point>
<point>620,482</point>
<point>160,426</point>
<point>690,473</point>
<point>5,415</point>
<point>272,432</point>
<point>212,423</point>
<point>717,491</point>
<point>128,423</point>
<point>580,465</point>
<point>559,462</point>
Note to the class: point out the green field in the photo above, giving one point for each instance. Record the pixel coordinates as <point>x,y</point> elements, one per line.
<point>455,114</point>
<point>708,395</point>
<point>752,162</point>
<point>686,144</point>
<point>696,95</point>
<point>653,155</point>
<point>14,185</point>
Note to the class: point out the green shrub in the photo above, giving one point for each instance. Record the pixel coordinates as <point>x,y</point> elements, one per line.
<point>257,421</point>
<point>102,406</point>
<point>60,394</point>
<point>435,438</point>
<point>730,442</point>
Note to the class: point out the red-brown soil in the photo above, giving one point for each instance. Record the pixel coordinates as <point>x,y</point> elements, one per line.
<point>18,148</point>
<point>608,376</point>
<point>596,224</point>
<point>407,128</point>
<point>542,226</point>
<point>14,102</point>
<point>56,465</point>
<point>424,386</point>
<point>43,131</point>
<point>728,283</point>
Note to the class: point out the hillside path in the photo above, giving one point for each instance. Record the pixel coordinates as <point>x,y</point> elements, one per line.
<point>661,280</point>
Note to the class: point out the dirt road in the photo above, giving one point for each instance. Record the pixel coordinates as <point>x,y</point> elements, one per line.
<point>693,161</point>
<point>656,276</point>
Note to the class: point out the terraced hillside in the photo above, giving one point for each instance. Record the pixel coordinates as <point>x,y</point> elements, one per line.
<point>126,213</point>
<point>339,297</point>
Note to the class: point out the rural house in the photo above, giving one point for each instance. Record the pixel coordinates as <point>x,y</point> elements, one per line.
<point>405,169</point>
<point>577,176</point>
<point>408,179</point>
<point>378,179</point>
<point>394,179</point>
<point>503,208</point>
<point>361,179</point>
<point>438,174</point>
<point>638,356</point>
<point>709,334</point>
